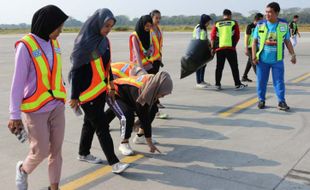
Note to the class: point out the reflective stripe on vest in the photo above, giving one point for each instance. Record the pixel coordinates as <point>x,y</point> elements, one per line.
<point>49,84</point>
<point>97,86</point>
<point>137,81</point>
<point>225,32</point>
<point>282,29</point>
<point>203,34</point>
<point>158,38</point>
<point>145,60</point>
<point>121,69</point>
<point>250,40</point>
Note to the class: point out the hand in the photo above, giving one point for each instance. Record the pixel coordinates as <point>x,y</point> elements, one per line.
<point>111,95</point>
<point>255,61</point>
<point>15,126</point>
<point>74,103</point>
<point>246,51</point>
<point>212,52</point>
<point>153,148</point>
<point>293,59</point>
<point>299,35</point>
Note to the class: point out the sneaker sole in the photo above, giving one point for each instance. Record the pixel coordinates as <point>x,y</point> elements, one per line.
<point>121,171</point>
<point>283,109</point>
<point>83,160</point>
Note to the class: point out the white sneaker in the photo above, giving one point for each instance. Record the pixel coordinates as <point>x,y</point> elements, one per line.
<point>205,83</point>
<point>125,149</point>
<point>90,159</point>
<point>160,115</point>
<point>201,85</point>
<point>142,140</point>
<point>119,167</point>
<point>21,177</point>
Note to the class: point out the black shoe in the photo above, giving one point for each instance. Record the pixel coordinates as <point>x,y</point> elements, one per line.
<point>246,79</point>
<point>241,86</point>
<point>261,105</point>
<point>283,106</point>
<point>218,87</point>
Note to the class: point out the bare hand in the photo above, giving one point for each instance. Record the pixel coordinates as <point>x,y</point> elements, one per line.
<point>247,52</point>
<point>15,126</point>
<point>293,59</point>
<point>255,61</point>
<point>74,103</point>
<point>153,148</point>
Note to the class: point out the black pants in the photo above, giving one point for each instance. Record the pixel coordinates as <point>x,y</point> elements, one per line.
<point>95,121</point>
<point>129,113</point>
<point>249,64</point>
<point>155,68</point>
<point>231,56</point>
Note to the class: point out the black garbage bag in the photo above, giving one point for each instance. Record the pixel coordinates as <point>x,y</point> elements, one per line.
<point>198,54</point>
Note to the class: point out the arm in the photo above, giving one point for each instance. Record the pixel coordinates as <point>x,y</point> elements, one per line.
<point>212,37</point>
<point>254,50</point>
<point>290,48</point>
<point>22,63</point>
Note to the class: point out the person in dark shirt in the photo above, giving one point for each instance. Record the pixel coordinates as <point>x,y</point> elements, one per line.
<point>248,40</point>
<point>92,80</point>
<point>294,30</point>
<point>139,94</point>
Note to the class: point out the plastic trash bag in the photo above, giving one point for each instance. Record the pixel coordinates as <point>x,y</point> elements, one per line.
<point>198,54</point>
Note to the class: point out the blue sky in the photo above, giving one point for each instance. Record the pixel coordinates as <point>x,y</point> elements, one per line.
<point>21,11</point>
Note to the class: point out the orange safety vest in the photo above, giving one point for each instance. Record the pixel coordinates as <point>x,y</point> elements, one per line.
<point>121,69</point>
<point>49,83</point>
<point>159,38</point>
<point>98,84</point>
<point>145,60</point>
<point>137,81</point>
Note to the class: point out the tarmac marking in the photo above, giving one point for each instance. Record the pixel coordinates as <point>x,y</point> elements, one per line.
<point>301,78</point>
<point>239,107</point>
<point>88,178</point>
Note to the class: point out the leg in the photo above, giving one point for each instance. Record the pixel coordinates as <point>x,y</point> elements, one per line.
<point>202,76</point>
<point>198,76</point>
<point>86,138</point>
<point>155,69</point>
<point>233,62</point>
<point>248,65</point>
<point>220,61</point>
<point>121,109</point>
<point>94,112</point>
<point>110,115</point>
<point>37,125</point>
<point>262,74</point>
<point>57,131</point>
<point>278,80</point>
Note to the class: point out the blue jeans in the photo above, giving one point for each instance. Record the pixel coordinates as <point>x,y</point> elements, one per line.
<point>262,73</point>
<point>200,74</point>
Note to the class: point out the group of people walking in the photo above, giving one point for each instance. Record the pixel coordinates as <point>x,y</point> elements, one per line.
<point>129,88</point>
<point>38,89</point>
<point>264,46</point>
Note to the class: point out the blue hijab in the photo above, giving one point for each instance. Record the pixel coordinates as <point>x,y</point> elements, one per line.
<point>89,39</point>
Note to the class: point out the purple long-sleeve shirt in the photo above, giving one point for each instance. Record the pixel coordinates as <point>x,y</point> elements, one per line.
<point>24,81</point>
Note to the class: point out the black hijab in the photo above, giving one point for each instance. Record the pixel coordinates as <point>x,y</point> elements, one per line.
<point>89,39</point>
<point>46,20</point>
<point>203,20</point>
<point>143,35</point>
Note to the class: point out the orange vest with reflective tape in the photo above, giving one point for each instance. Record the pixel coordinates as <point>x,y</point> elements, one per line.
<point>137,81</point>
<point>49,83</point>
<point>159,38</point>
<point>121,69</point>
<point>145,60</point>
<point>98,84</point>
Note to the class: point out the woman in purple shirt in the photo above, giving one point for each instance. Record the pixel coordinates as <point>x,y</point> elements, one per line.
<point>38,91</point>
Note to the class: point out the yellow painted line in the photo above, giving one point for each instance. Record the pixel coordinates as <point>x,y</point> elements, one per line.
<point>301,78</point>
<point>239,107</point>
<point>84,180</point>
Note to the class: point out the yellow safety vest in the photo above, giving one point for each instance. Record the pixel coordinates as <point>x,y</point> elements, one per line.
<point>225,33</point>
<point>49,83</point>
<point>282,29</point>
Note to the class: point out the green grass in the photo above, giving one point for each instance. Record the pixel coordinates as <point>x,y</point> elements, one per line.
<point>185,28</point>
